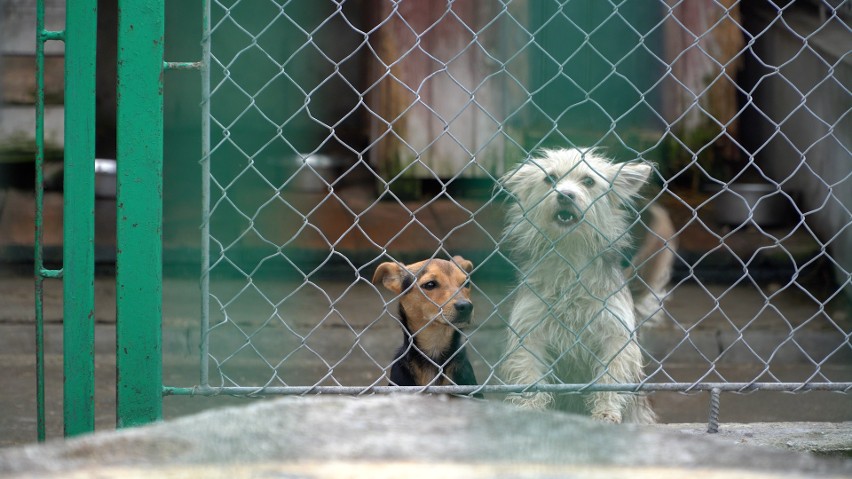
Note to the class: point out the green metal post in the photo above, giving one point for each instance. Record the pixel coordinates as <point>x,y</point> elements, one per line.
<point>139,268</point>
<point>79,217</point>
<point>39,206</point>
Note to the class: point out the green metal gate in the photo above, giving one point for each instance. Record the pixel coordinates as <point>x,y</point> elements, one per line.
<point>77,270</point>
<point>139,214</point>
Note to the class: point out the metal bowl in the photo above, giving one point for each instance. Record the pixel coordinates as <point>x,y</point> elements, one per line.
<point>313,173</point>
<point>105,178</point>
<point>762,204</point>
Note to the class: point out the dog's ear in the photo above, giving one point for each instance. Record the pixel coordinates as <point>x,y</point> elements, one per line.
<point>390,275</point>
<point>630,177</point>
<point>462,263</point>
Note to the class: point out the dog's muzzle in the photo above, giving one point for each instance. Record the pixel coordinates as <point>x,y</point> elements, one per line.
<point>567,213</point>
<point>464,312</point>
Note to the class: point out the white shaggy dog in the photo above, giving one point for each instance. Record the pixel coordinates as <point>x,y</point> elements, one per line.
<point>573,319</point>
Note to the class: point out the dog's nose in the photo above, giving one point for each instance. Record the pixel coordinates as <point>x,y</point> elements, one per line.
<point>464,307</point>
<point>565,198</point>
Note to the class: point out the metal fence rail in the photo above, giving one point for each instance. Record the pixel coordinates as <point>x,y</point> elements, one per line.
<point>299,100</point>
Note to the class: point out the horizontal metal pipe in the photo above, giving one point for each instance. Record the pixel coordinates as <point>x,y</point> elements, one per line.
<point>506,389</point>
<point>58,35</point>
<point>182,65</point>
<point>50,273</point>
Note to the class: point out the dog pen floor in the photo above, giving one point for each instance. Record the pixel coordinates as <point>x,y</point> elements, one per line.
<point>740,327</point>
<point>716,332</point>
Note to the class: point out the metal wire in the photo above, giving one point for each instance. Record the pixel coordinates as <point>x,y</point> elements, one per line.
<point>512,388</point>
<point>283,85</point>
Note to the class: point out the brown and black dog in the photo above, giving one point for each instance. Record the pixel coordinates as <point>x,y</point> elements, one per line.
<point>434,306</point>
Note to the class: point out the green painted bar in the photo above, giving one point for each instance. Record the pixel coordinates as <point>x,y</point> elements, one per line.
<point>48,273</point>
<point>79,217</point>
<point>139,268</point>
<point>38,258</point>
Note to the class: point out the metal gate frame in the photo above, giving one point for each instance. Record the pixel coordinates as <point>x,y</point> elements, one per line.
<point>139,215</point>
<point>139,212</point>
<point>78,265</point>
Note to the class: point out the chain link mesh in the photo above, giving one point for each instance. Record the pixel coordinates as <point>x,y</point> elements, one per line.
<point>343,134</point>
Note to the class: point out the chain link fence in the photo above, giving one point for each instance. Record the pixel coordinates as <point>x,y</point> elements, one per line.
<point>342,134</point>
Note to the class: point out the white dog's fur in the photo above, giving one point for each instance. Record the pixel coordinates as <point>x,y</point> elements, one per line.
<point>573,318</point>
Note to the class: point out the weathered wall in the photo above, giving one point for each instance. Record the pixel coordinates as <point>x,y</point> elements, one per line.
<point>17,72</point>
<point>803,136</point>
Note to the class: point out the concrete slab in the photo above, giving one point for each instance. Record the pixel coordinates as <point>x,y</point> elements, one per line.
<point>403,436</point>
<point>823,438</point>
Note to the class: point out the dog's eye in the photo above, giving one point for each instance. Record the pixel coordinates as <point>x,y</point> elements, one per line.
<point>588,182</point>
<point>551,179</point>
<point>429,285</point>
<point>466,284</point>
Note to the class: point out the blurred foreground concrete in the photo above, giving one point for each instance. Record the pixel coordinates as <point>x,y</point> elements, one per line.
<point>402,436</point>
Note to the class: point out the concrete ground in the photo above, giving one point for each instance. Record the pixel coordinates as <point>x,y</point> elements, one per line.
<point>404,436</point>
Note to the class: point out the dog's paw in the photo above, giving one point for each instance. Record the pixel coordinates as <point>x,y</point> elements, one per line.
<point>613,417</point>
<point>535,401</point>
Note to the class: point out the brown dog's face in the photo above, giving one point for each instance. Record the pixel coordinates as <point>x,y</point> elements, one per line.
<point>434,291</point>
